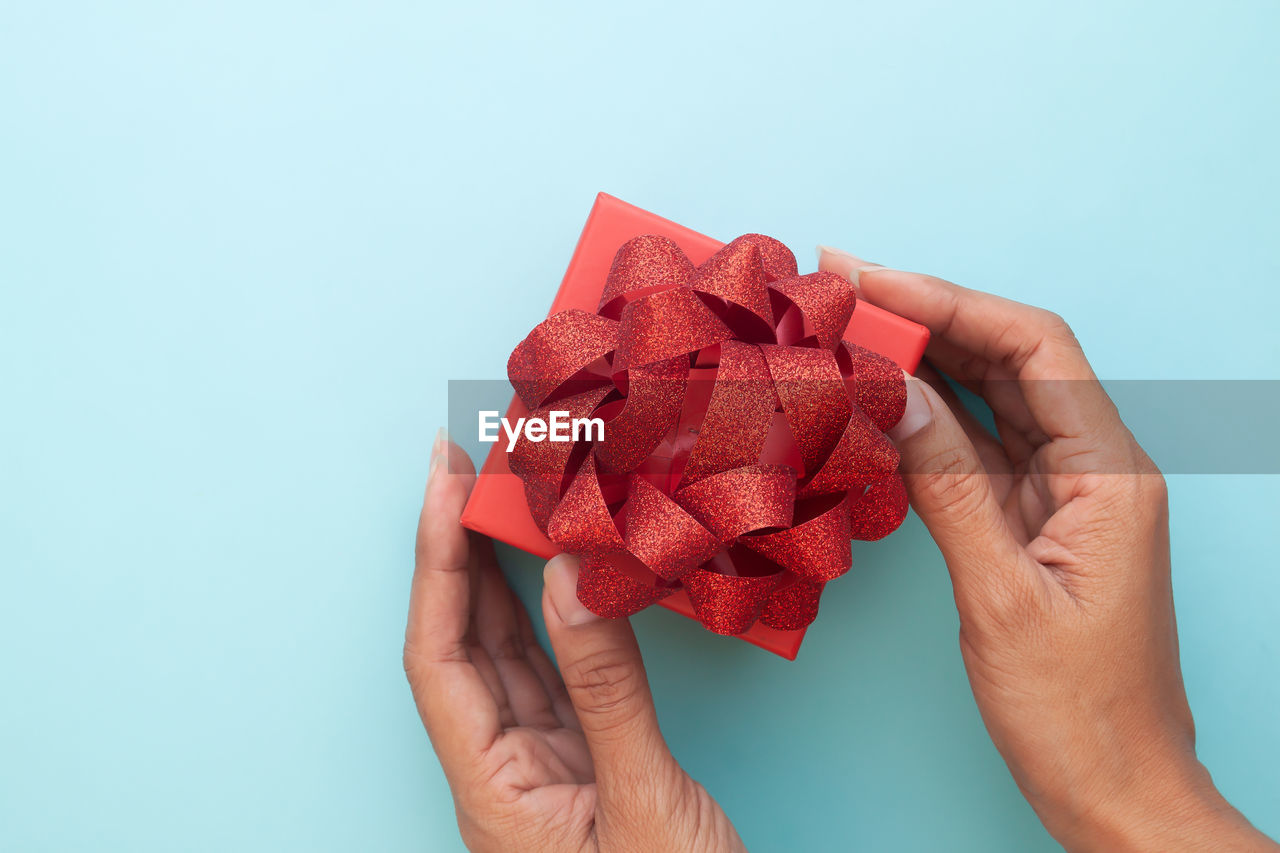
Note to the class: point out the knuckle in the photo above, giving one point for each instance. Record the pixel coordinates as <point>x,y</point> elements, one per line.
<point>1042,338</point>
<point>951,289</point>
<point>603,685</point>
<point>1054,326</point>
<point>1062,338</point>
<point>1151,477</point>
<point>952,295</point>
<point>418,661</point>
<point>951,480</point>
<point>1155,490</point>
<point>412,660</point>
<point>1140,488</point>
<point>949,463</point>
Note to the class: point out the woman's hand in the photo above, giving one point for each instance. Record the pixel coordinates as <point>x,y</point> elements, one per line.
<point>1056,537</point>
<point>537,762</point>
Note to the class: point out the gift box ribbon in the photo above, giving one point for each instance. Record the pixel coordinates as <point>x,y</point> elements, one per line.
<point>743,444</point>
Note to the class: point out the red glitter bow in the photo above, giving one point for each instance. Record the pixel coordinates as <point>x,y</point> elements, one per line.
<point>743,443</point>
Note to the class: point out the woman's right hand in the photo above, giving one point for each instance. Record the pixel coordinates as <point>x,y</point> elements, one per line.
<point>1055,533</point>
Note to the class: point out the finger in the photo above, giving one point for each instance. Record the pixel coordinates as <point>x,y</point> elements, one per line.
<point>440,600</point>
<point>1026,509</point>
<point>604,675</point>
<point>547,673</point>
<point>952,493</point>
<point>989,449</point>
<point>488,671</point>
<point>994,383</point>
<point>456,705</point>
<point>524,697</point>
<point>1037,346</point>
<point>1017,446</point>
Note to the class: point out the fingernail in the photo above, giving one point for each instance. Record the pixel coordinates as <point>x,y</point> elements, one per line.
<point>841,253</point>
<point>561,578</point>
<point>843,263</point>
<point>917,414</point>
<point>438,450</point>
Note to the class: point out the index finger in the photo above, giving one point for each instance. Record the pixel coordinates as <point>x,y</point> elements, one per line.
<point>1034,345</point>
<point>455,704</point>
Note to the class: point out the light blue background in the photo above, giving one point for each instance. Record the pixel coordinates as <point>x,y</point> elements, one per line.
<point>243,246</point>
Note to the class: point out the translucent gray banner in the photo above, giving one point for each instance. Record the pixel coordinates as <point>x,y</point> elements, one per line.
<point>1189,426</point>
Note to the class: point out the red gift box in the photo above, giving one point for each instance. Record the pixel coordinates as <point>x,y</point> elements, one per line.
<point>498,508</point>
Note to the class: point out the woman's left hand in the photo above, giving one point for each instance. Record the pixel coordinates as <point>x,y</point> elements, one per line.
<point>536,761</point>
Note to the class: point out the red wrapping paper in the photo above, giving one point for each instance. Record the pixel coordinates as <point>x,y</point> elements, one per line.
<point>778,380</point>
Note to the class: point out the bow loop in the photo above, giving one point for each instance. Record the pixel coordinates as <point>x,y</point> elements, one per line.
<point>743,443</point>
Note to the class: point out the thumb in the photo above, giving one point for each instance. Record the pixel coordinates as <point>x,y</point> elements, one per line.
<point>951,492</point>
<point>600,663</point>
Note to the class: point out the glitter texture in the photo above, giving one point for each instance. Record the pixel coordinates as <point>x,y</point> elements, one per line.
<point>556,350</point>
<point>876,383</point>
<point>736,274</point>
<point>548,459</point>
<point>581,522</point>
<point>817,549</point>
<point>662,535</point>
<point>679,492</point>
<point>725,604</point>
<point>825,299</point>
<point>737,420</point>
<point>861,456</point>
<point>607,592</point>
<point>665,325</point>
<point>739,501</point>
<point>655,395</point>
<point>813,397</point>
<point>648,263</point>
<point>792,605</point>
<point>879,510</point>
<point>775,257</point>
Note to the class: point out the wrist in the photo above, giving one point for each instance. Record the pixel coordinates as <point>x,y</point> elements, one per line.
<point>1177,809</point>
